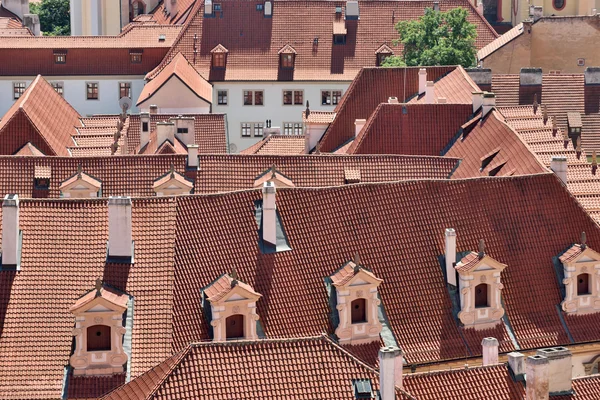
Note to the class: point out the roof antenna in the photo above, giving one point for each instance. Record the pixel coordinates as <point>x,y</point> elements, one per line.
<point>98,287</point>
<point>481,249</point>
<point>535,103</point>
<point>307,109</point>
<point>583,240</point>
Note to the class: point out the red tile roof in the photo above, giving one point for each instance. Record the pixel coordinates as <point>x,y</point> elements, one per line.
<point>12,27</point>
<point>504,39</point>
<point>318,117</point>
<point>222,286</point>
<point>278,145</point>
<point>456,87</point>
<point>179,68</point>
<point>183,10</point>
<point>254,41</point>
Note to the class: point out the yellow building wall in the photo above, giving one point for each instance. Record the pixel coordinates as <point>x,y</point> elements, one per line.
<point>85,18</point>
<point>111,17</point>
<point>510,58</point>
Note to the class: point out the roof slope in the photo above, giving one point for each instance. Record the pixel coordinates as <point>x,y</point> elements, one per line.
<point>40,116</point>
<point>456,87</point>
<point>281,145</point>
<point>504,39</point>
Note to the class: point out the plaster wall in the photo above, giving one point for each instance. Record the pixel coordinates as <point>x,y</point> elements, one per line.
<point>174,97</point>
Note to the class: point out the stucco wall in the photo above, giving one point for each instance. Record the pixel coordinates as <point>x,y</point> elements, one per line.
<point>175,98</point>
<point>510,58</point>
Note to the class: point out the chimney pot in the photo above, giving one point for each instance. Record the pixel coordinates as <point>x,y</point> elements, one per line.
<point>537,377</point>
<point>192,161</point>
<point>269,213</point>
<point>450,255</point>
<point>516,362</point>
<point>560,369</point>
<point>422,80</point>
<point>358,125</point>
<point>120,243</point>
<point>489,102</point>
<point>558,165</point>
<point>393,100</point>
<point>436,5</point>
<point>429,93</point>
<point>10,231</point>
<point>490,351</point>
<point>390,371</point>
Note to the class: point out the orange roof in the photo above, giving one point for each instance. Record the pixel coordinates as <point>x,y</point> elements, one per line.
<point>13,27</point>
<point>172,174</point>
<point>456,87</point>
<point>109,294</point>
<point>183,10</point>
<point>178,67</point>
<point>281,145</point>
<point>343,275</point>
<point>500,42</point>
<point>222,286</point>
<point>29,150</point>
<point>318,117</point>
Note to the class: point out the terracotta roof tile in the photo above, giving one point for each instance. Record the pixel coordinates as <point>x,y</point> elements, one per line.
<point>278,145</point>
<point>456,87</point>
<point>499,42</point>
<point>318,117</point>
<point>12,27</point>
<point>184,7</point>
<point>222,286</point>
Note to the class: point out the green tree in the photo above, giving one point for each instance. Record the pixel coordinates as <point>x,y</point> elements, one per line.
<point>437,38</point>
<point>54,17</point>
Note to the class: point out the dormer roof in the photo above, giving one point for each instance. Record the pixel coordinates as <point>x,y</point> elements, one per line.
<point>172,180</point>
<point>219,49</point>
<point>339,27</point>
<point>287,49</point>
<point>80,177</point>
<point>352,273</point>
<point>102,295</point>
<point>579,253</point>
<point>227,288</point>
<point>29,149</point>
<point>472,262</point>
<point>384,49</point>
<point>274,175</point>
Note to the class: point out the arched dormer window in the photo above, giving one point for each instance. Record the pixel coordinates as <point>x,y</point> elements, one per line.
<point>480,287</point>
<point>581,270</point>
<point>99,332</point>
<point>357,303</point>
<point>232,308</point>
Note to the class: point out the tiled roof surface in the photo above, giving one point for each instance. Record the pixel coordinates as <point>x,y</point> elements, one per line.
<point>222,286</point>
<point>92,387</point>
<point>183,10</point>
<point>371,87</point>
<point>254,42</point>
<point>314,367</point>
<point>281,145</point>
<point>166,147</point>
<point>410,129</point>
<point>178,67</point>
<point>507,37</point>
<point>456,87</point>
<point>29,150</point>
<point>318,117</point>
<point>109,294</point>
<point>40,116</point>
<point>12,27</point>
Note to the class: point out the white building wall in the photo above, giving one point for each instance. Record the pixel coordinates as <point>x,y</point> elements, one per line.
<point>273,107</point>
<point>75,92</point>
<point>174,97</point>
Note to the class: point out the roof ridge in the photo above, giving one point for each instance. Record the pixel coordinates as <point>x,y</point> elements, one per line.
<point>178,360</point>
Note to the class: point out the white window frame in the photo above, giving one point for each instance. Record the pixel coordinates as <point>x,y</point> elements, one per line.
<point>226,97</point>
<point>62,84</point>
<point>15,86</point>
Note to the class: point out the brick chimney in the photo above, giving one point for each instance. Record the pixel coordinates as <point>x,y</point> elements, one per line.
<point>558,165</point>
<point>537,377</point>
<point>144,129</point>
<point>477,101</point>
<point>120,243</point>
<point>560,369</point>
<point>358,125</point>
<point>489,102</point>
<point>390,371</point>
<point>422,80</point>
<point>10,232</point>
<point>192,159</point>
<point>450,255</point>
<point>530,85</point>
<point>489,348</point>
<point>269,213</point>
<point>165,131</point>
<point>516,363</point>
<point>429,93</point>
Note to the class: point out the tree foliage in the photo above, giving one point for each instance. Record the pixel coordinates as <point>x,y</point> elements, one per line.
<point>54,17</point>
<point>437,38</point>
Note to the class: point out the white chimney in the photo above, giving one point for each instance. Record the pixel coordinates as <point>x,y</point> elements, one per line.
<point>516,362</point>
<point>32,21</point>
<point>442,100</point>
<point>208,7</point>
<point>153,109</point>
<point>537,378</point>
<point>269,213</point>
<point>450,253</point>
<point>268,8</point>
<point>480,6</point>
<point>358,125</point>
<point>489,349</point>
<point>560,369</point>
<point>165,131</point>
<point>489,102</point>
<point>558,165</point>
<point>538,12</point>
<point>429,93</point>
<point>422,80</point>
<point>119,227</point>
<point>144,129</point>
<point>184,127</point>
<point>393,100</point>
<point>477,101</point>
<point>436,5</point>
<point>10,231</point>
<point>390,371</point>
<point>192,160</point>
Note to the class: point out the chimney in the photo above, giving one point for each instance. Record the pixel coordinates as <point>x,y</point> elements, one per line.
<point>477,101</point>
<point>537,378</point>
<point>436,5</point>
<point>10,231</point>
<point>480,6</point>
<point>530,85</point>
<point>482,77</point>
<point>173,10</point>
<point>516,363</point>
<point>184,128</point>
<point>120,244</point>
<point>153,109</point>
<point>144,129</point>
<point>489,102</point>
<point>558,165</point>
<point>393,100</point>
<point>422,80</point>
<point>390,371</point>
<point>192,159</point>
<point>17,7</point>
<point>429,93</point>
<point>538,12</point>
<point>268,9</point>
<point>560,369</point>
<point>32,21</point>
<point>165,131</point>
<point>442,100</point>
<point>592,75</point>
<point>358,125</point>
<point>269,213</point>
<point>208,8</point>
<point>489,348</point>
<point>450,255</point>
<point>352,10</point>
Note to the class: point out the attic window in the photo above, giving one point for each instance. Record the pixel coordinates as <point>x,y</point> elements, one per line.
<point>287,61</point>
<point>259,7</point>
<point>217,7</point>
<point>218,60</point>
<point>98,338</point>
<point>42,183</point>
<point>182,130</point>
<point>162,38</point>
<point>583,284</point>
<point>135,56</point>
<point>60,58</point>
<point>382,53</point>
<point>234,327</point>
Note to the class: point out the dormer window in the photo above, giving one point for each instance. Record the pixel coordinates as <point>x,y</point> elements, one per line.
<point>136,56</point>
<point>287,57</point>
<point>219,57</point>
<point>81,185</point>
<point>172,183</point>
<point>60,56</point>
<point>357,303</point>
<point>479,287</point>
<point>339,30</point>
<point>574,124</point>
<point>42,174</point>
<point>231,306</point>
<point>382,53</point>
<point>581,269</point>
<point>273,175</point>
<point>99,332</point>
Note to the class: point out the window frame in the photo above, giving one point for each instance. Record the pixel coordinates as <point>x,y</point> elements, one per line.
<point>253,93</point>
<point>559,8</point>
<point>221,58</point>
<point>220,97</point>
<point>62,87</point>
<point>259,125</point>
<point>121,89</point>
<point>365,317</point>
<point>291,97</point>
<point>588,277</point>
<point>87,93</point>
<point>20,92</point>
<point>238,318</point>
<point>247,125</point>
<point>292,128</point>
<point>487,296</point>
<point>103,349</point>
<point>329,96</point>
<point>60,58</point>
<point>339,40</point>
<point>135,58</point>
<point>287,61</point>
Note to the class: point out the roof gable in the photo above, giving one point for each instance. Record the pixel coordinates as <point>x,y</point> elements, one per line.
<point>473,262</point>
<point>101,299</point>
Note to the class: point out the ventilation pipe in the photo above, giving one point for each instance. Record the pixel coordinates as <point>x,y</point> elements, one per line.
<point>422,80</point>
<point>390,371</point>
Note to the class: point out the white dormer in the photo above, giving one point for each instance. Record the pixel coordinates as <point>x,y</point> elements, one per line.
<point>480,287</point>
<point>357,304</point>
<point>273,175</point>
<point>81,185</point>
<point>581,266</point>
<point>99,332</point>
<point>172,183</point>
<point>232,309</point>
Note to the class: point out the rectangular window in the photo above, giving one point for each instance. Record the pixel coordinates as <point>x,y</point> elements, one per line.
<point>287,61</point>
<point>18,89</point>
<point>248,96</point>
<point>336,96</point>
<point>92,90</point>
<point>136,58</point>
<point>298,97</point>
<point>222,97</point>
<point>60,58</point>
<point>297,128</point>
<point>287,97</point>
<point>218,60</point>
<point>124,89</point>
<point>326,97</point>
<point>182,130</point>
<point>292,128</point>
<point>253,97</point>
<point>258,129</point>
<point>339,39</point>
<point>246,129</point>
<point>258,97</point>
<point>295,97</point>
<point>58,87</point>
<point>144,127</point>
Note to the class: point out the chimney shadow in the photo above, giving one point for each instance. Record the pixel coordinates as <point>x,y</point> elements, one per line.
<point>117,275</point>
<point>263,284</point>
<point>6,281</point>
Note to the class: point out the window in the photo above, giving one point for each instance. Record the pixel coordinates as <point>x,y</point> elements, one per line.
<point>58,87</point>
<point>583,284</point>
<point>144,127</point>
<point>253,97</point>
<point>287,97</point>
<point>287,61</point>
<point>92,90</point>
<point>124,89</point>
<point>339,39</point>
<point>558,4</point>
<point>217,7</point>
<point>381,58</point>
<point>258,97</point>
<point>248,97</point>
<point>18,89</point>
<point>246,129</point>
<point>298,97</point>
<point>481,297</point>
<point>136,58</point>
<point>359,311</point>
<point>182,130</point>
<point>222,97</point>
<point>218,60</point>
<point>336,95</point>
<point>98,338</point>
<point>326,97</point>
<point>258,129</point>
<point>60,58</point>
<point>292,128</point>
<point>234,326</point>
<point>295,97</point>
